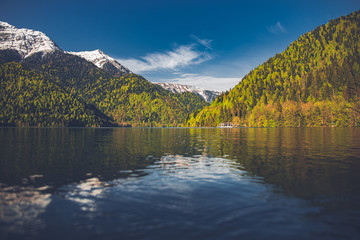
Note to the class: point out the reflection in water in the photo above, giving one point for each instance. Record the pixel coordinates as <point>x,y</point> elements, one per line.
<point>20,208</point>
<point>180,183</point>
<point>86,193</point>
<point>197,168</point>
<point>185,197</point>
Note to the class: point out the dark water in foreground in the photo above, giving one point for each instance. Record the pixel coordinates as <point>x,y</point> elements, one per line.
<point>285,183</point>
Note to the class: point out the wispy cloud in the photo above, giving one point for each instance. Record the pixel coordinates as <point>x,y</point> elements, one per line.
<point>204,81</point>
<point>171,66</point>
<point>179,57</point>
<point>205,42</point>
<point>277,28</point>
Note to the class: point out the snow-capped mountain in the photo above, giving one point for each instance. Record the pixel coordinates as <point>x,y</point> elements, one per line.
<point>208,95</point>
<point>25,41</point>
<point>101,60</point>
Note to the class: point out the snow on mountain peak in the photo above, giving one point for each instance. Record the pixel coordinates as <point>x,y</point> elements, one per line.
<point>99,58</point>
<point>208,95</point>
<point>25,41</point>
<point>5,25</point>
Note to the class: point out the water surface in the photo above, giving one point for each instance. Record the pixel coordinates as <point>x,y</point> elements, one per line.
<point>284,183</point>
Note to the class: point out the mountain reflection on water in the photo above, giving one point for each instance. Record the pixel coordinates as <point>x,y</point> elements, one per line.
<point>180,183</point>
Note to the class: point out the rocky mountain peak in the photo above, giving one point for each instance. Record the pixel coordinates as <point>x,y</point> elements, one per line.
<point>208,95</point>
<point>101,60</point>
<point>25,41</point>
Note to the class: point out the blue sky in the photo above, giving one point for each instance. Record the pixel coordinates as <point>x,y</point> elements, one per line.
<point>209,44</point>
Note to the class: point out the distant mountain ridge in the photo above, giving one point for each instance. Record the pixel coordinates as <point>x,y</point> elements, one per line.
<point>27,43</point>
<point>207,95</point>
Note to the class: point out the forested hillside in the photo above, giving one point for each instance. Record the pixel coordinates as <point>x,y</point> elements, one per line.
<point>30,99</point>
<point>314,82</point>
<point>64,90</point>
<point>132,99</point>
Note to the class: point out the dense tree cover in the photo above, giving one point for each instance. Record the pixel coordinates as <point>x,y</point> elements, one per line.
<point>65,90</point>
<point>28,98</point>
<point>131,99</point>
<point>314,82</point>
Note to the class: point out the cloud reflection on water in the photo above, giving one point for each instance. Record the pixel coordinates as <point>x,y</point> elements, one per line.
<point>21,206</point>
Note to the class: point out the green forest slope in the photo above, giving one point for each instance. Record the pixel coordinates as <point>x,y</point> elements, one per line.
<point>30,99</point>
<point>314,82</point>
<point>65,90</point>
<point>129,99</point>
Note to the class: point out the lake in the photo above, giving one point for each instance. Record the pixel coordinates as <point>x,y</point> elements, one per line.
<point>173,183</point>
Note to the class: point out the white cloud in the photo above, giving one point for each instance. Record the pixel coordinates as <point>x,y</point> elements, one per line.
<point>204,81</point>
<point>205,42</point>
<point>277,28</point>
<point>179,57</point>
<point>174,62</point>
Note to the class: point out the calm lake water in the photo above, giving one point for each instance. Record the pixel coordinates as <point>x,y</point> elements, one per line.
<point>284,183</point>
